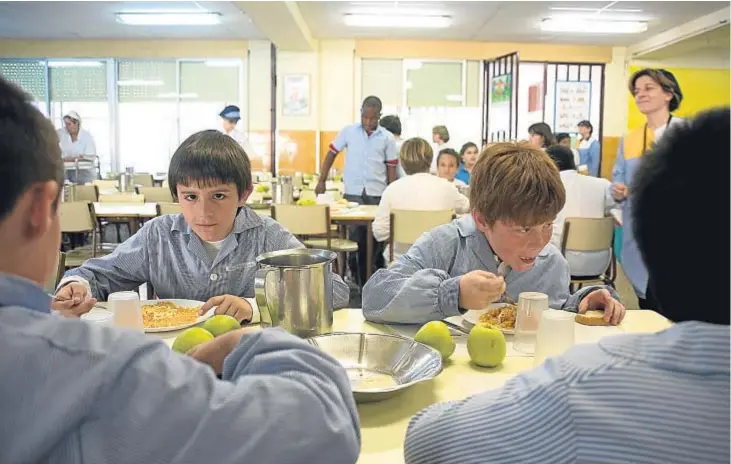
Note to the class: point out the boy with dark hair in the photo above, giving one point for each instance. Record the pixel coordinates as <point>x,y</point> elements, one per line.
<point>74,391</point>
<point>660,397</point>
<point>371,163</point>
<point>207,253</point>
<point>392,123</point>
<point>448,162</point>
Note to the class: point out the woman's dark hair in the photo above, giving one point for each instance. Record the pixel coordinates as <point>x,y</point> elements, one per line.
<point>29,150</point>
<point>544,130</point>
<point>466,147</point>
<point>664,79</point>
<point>449,152</point>
<point>562,156</point>
<point>210,158</point>
<point>586,123</point>
<point>391,123</point>
<point>562,135</point>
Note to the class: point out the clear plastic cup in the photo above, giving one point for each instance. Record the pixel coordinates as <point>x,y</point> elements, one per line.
<point>556,334</point>
<point>127,310</point>
<point>530,307</point>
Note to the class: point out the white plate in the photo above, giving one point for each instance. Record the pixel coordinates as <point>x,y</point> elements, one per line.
<point>185,304</point>
<point>473,317</point>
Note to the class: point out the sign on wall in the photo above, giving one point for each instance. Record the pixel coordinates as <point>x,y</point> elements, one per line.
<point>296,95</point>
<point>501,89</point>
<point>573,104</point>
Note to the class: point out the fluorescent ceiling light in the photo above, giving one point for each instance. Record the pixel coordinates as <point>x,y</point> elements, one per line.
<point>75,64</point>
<point>140,83</point>
<point>169,19</point>
<point>397,20</point>
<point>594,10</point>
<point>592,26</point>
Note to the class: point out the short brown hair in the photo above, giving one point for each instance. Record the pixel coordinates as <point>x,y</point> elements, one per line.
<point>442,132</point>
<point>664,79</point>
<point>209,158</point>
<point>29,150</point>
<point>518,183</point>
<point>416,155</point>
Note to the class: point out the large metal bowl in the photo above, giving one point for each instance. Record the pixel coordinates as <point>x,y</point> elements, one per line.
<point>380,366</point>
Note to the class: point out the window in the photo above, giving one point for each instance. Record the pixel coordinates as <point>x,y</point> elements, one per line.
<point>148,114</point>
<point>29,75</point>
<point>81,86</point>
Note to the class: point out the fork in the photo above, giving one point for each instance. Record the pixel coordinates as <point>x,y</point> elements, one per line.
<point>503,270</point>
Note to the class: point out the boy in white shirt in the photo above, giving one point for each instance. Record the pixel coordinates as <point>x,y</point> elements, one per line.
<point>419,191</point>
<point>586,197</point>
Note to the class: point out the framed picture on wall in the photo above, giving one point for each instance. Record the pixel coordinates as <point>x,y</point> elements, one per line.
<point>296,95</point>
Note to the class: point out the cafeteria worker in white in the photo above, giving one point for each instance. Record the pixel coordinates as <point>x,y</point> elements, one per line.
<point>76,143</point>
<point>230,117</point>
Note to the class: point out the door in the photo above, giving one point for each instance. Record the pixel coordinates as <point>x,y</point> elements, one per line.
<point>500,99</point>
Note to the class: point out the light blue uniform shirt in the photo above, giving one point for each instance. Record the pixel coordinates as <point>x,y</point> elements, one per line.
<point>75,392</point>
<point>423,284</point>
<point>170,256</point>
<point>640,399</point>
<point>463,174</point>
<point>366,158</point>
<point>589,155</point>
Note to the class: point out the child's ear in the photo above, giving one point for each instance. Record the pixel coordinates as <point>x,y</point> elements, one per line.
<point>479,221</point>
<point>245,195</point>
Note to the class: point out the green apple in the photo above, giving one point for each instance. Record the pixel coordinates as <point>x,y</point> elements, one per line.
<point>191,338</point>
<point>486,345</point>
<point>437,335</point>
<point>220,324</point>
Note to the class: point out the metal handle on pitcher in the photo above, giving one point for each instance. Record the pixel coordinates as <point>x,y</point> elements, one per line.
<point>260,292</point>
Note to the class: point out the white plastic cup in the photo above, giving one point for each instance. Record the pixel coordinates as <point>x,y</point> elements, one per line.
<point>556,334</point>
<point>127,310</point>
<point>530,307</point>
<point>99,317</point>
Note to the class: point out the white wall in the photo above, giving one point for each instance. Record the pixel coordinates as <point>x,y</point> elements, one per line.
<point>337,84</point>
<point>616,75</point>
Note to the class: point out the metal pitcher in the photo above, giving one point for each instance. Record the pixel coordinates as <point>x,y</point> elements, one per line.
<point>284,191</point>
<point>294,291</point>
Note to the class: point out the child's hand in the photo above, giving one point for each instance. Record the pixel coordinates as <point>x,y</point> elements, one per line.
<point>214,352</point>
<point>231,305</point>
<point>477,289</point>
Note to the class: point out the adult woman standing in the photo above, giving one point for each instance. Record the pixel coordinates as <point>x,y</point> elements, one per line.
<point>589,148</point>
<point>541,135</point>
<point>440,137</point>
<point>657,94</point>
<point>76,144</point>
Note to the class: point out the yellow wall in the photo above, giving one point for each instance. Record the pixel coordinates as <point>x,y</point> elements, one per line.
<point>702,89</point>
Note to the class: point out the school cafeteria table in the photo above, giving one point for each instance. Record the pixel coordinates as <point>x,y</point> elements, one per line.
<point>383,425</point>
<point>131,213</point>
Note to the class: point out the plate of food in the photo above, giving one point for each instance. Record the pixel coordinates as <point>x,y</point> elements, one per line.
<point>168,315</point>
<point>501,315</point>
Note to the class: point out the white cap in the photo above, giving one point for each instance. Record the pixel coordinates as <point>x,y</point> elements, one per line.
<point>72,115</point>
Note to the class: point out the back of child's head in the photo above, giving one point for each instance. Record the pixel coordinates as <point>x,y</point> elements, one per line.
<point>207,159</point>
<point>392,123</point>
<point>562,156</point>
<point>516,183</point>
<point>416,155</point>
<point>447,152</point>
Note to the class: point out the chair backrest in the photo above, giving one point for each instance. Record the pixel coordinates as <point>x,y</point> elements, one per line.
<point>85,193</point>
<point>57,275</point>
<point>76,216</point>
<point>165,208</point>
<point>303,220</point>
<point>156,194</point>
<point>587,234</point>
<point>106,184</point>
<point>143,179</point>
<point>408,225</point>
<point>122,198</point>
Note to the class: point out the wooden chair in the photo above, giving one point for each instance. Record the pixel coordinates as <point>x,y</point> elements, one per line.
<point>75,217</point>
<point>143,179</point>
<point>85,193</point>
<point>164,209</point>
<point>122,198</point>
<point>406,226</point>
<point>106,185</point>
<point>587,235</point>
<point>55,278</point>
<point>308,221</point>
<point>155,194</point>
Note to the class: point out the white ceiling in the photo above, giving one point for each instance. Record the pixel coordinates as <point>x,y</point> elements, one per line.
<point>96,20</point>
<point>503,21</point>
